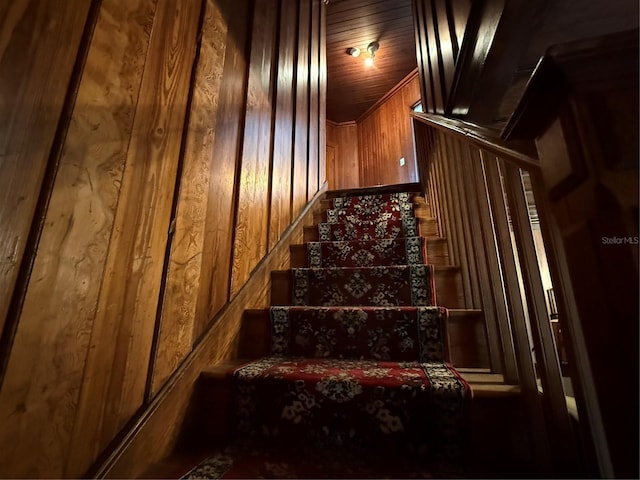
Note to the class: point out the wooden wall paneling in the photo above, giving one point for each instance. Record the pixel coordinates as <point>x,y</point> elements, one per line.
<point>410,96</point>
<point>448,44</point>
<point>462,161</point>
<point>159,201</point>
<point>162,422</point>
<point>142,219</point>
<point>434,189</point>
<point>465,255</point>
<point>215,271</point>
<point>322,97</point>
<point>482,270</point>
<point>332,154</point>
<point>347,174</point>
<point>38,49</point>
<point>385,135</point>
<point>526,369</point>
<point>561,439</point>
<point>423,157</point>
<point>180,315</point>
<point>445,199</point>
<point>457,231</point>
<point>459,14</point>
<point>49,387</point>
<point>314,107</point>
<point>283,132</point>
<point>251,228</point>
<point>331,165</point>
<point>364,147</point>
<point>422,55</point>
<point>435,59</point>
<point>494,276</point>
<point>301,132</point>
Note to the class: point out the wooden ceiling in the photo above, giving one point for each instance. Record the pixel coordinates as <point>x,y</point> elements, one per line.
<point>353,87</point>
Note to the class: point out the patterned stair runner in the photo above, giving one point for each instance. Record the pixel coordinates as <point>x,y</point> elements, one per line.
<point>368,253</point>
<point>358,362</point>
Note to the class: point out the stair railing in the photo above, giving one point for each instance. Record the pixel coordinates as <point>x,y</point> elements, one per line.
<point>474,181</point>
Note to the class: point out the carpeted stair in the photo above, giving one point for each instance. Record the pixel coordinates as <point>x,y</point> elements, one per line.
<point>357,383</point>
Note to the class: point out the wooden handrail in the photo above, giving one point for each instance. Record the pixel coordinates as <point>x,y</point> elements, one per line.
<point>522,153</point>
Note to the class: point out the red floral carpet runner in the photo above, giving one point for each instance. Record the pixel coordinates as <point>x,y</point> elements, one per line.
<point>357,365</point>
<point>377,229</point>
<point>368,253</point>
<point>379,286</point>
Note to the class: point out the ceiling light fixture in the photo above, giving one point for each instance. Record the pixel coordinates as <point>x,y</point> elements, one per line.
<point>372,49</point>
<point>353,51</point>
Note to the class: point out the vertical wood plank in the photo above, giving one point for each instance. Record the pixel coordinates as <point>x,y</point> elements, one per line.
<point>434,56</point>
<point>322,141</point>
<point>427,85</point>
<point>142,219</point>
<point>216,258</point>
<point>301,132</point>
<point>462,162</point>
<point>526,369</point>
<point>483,279</point>
<point>451,167</point>
<point>546,353</point>
<point>314,107</point>
<point>180,314</point>
<point>448,50</point>
<point>38,46</point>
<point>283,133</point>
<point>445,198</point>
<point>460,9</point>
<point>344,171</point>
<point>54,336</point>
<point>495,277</point>
<point>250,242</point>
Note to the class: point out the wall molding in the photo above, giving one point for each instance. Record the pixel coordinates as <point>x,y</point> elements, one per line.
<point>341,124</point>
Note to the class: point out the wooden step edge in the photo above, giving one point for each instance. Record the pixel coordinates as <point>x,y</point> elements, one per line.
<point>486,384</point>
<point>412,187</point>
<point>222,371</point>
<point>483,384</point>
<point>427,238</point>
<point>437,268</point>
<point>464,312</point>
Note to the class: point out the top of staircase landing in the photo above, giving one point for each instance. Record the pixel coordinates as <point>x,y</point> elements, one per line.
<point>375,190</point>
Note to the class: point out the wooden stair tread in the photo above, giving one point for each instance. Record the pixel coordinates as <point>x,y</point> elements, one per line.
<point>442,268</point>
<point>486,384</point>
<point>483,382</point>
<point>376,190</point>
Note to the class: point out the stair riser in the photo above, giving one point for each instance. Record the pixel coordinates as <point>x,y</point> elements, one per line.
<point>465,329</point>
<point>420,210</point>
<point>448,287</point>
<point>428,228</point>
<point>436,253</point>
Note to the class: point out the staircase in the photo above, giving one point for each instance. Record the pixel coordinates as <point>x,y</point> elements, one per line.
<point>354,372</point>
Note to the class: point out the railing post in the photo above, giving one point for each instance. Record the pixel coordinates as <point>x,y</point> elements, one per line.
<point>546,355</point>
<point>526,370</point>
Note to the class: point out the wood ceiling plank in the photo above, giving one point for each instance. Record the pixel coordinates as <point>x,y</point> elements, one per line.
<point>352,88</point>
